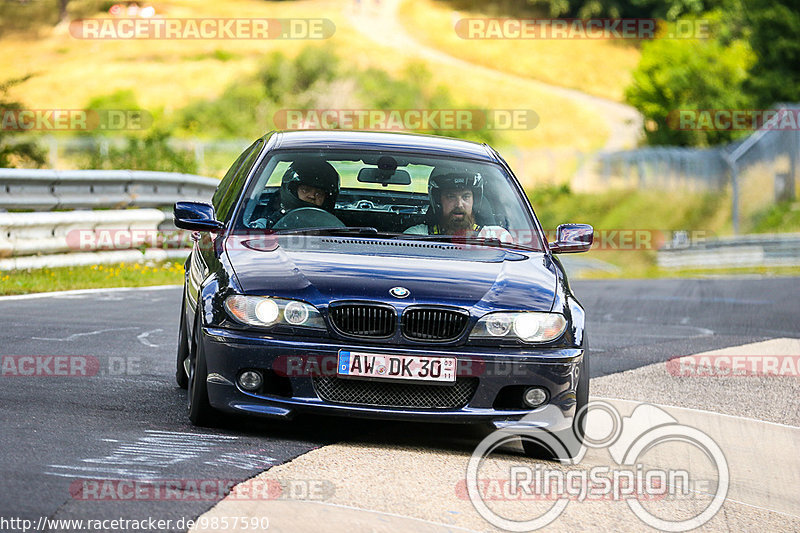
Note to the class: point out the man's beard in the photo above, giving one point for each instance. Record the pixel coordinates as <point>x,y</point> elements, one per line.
<point>458,225</point>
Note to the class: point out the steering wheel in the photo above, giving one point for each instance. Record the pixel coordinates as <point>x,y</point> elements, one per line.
<point>308,217</point>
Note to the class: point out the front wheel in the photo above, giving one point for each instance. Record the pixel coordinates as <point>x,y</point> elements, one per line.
<point>181,377</point>
<point>200,411</point>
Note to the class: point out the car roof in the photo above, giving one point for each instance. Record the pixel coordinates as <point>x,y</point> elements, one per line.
<point>372,140</point>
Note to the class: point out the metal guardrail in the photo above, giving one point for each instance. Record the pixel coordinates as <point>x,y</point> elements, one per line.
<point>211,156</point>
<point>110,235</point>
<point>45,190</point>
<point>69,238</point>
<point>742,251</point>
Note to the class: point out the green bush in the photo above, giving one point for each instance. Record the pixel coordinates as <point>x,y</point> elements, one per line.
<point>774,28</point>
<point>689,74</point>
<point>151,152</point>
<point>315,79</point>
<point>32,15</point>
<point>13,151</point>
<point>669,10</point>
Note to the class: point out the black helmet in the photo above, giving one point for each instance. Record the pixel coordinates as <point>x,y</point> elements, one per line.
<point>443,178</point>
<point>315,173</point>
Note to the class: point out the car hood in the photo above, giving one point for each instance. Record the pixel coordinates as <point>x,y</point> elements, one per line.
<point>323,269</point>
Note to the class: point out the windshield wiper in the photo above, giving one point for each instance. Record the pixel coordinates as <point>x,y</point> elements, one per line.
<point>336,230</point>
<point>465,239</point>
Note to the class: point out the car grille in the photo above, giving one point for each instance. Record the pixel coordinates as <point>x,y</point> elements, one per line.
<point>364,320</point>
<point>433,324</point>
<point>386,394</point>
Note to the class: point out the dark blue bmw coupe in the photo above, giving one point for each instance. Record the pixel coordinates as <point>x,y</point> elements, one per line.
<point>379,275</point>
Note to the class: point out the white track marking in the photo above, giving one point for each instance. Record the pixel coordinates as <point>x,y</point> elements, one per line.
<point>147,457</point>
<point>78,335</point>
<point>143,337</point>
<point>704,411</point>
<point>77,292</point>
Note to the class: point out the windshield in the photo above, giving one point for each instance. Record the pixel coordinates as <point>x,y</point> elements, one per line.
<point>387,194</point>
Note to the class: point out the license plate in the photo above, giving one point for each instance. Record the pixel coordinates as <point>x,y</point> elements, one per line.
<point>397,366</point>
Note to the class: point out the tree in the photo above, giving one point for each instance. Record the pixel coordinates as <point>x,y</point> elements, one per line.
<point>62,10</point>
<point>20,153</point>
<point>689,74</point>
<point>774,29</point>
<point>668,10</point>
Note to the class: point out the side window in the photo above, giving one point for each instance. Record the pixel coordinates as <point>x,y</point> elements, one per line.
<point>231,194</point>
<point>225,183</point>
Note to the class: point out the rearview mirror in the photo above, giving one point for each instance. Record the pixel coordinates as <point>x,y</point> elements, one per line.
<point>196,216</point>
<point>384,176</point>
<point>572,238</point>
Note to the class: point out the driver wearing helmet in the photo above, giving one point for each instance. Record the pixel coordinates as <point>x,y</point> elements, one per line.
<point>455,196</point>
<point>306,183</point>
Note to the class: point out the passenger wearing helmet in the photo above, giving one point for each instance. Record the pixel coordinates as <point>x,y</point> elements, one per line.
<point>306,183</point>
<point>455,197</point>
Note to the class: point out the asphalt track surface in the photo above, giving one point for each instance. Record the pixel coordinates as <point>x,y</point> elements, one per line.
<point>129,422</point>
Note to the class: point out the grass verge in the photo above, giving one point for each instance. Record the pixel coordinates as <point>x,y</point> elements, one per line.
<point>91,277</point>
<point>599,67</point>
<point>650,218</point>
<point>654,272</point>
<point>613,211</point>
<point>181,71</point>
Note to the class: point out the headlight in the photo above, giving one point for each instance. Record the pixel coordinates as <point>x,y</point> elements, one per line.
<point>525,326</point>
<point>265,311</point>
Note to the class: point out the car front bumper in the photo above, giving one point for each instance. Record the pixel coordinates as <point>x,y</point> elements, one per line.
<point>230,352</point>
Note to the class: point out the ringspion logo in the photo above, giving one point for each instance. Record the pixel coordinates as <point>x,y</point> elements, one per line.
<point>631,476</point>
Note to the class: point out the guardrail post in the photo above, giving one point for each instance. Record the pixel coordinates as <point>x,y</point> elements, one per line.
<point>735,196</point>
<point>52,155</point>
<point>794,164</point>
<point>199,154</point>
<point>784,186</point>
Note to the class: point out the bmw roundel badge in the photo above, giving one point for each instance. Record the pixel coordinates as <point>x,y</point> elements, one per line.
<point>399,292</point>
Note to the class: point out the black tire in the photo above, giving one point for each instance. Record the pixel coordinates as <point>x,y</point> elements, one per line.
<point>572,439</point>
<point>200,411</point>
<point>183,350</point>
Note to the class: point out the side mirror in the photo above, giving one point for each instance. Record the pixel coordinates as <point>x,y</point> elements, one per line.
<point>196,216</point>
<point>572,238</point>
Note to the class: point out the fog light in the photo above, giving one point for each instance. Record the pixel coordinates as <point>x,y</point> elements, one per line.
<point>534,397</point>
<point>250,380</point>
